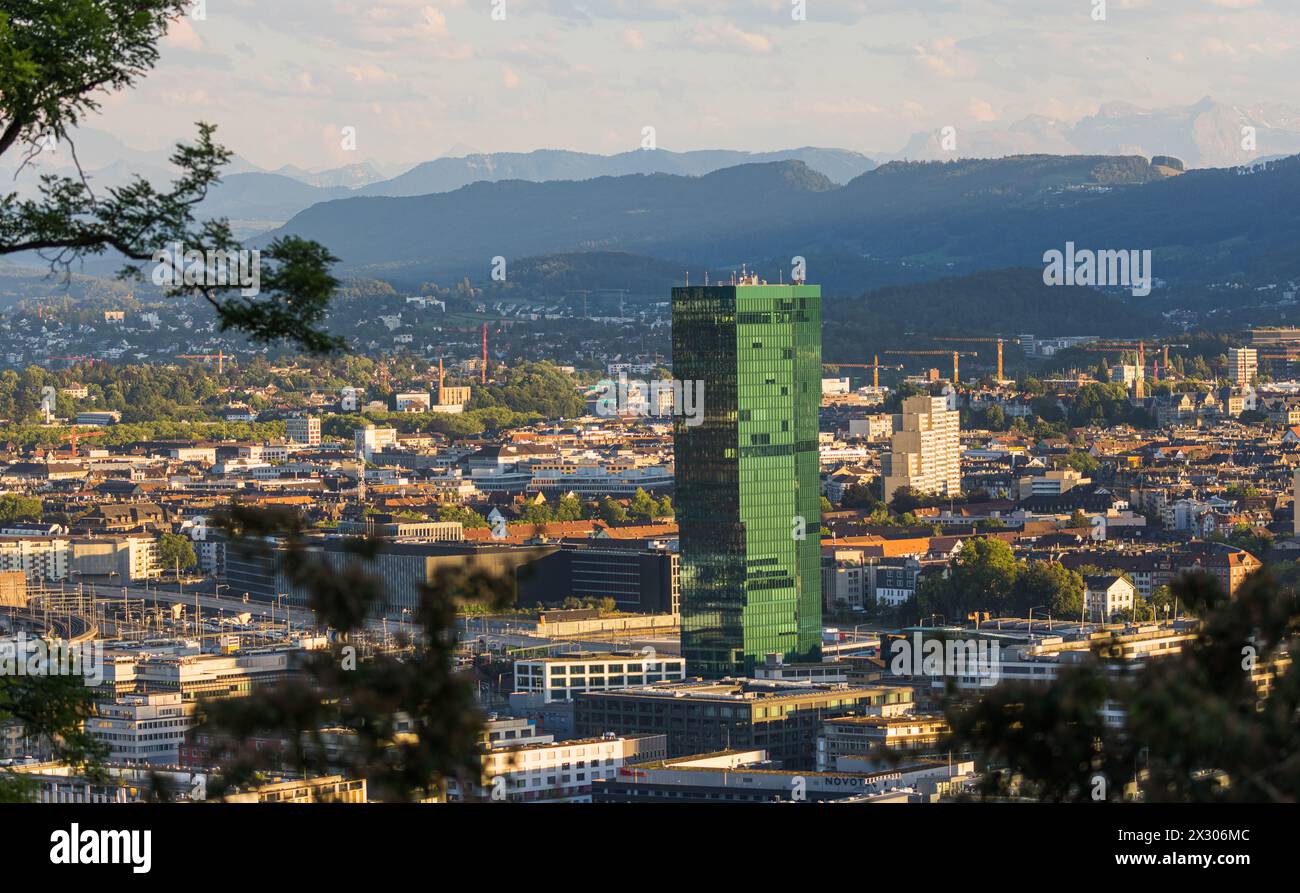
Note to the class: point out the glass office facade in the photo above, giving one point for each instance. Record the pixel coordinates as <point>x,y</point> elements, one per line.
<point>747,476</point>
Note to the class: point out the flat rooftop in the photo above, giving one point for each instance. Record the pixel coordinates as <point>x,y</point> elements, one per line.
<point>740,690</point>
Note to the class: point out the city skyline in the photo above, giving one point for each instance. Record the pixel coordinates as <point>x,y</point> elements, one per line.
<point>967,473</point>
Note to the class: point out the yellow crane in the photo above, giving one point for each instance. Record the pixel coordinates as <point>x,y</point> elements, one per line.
<point>956,377</point>
<point>875,367</point>
<point>219,356</point>
<point>998,341</point>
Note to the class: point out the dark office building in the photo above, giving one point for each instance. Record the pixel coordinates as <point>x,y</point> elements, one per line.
<point>252,569</point>
<point>401,567</point>
<point>747,494</point>
<point>640,581</point>
<point>702,717</point>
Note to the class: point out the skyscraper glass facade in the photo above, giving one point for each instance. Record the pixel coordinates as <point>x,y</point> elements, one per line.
<point>747,486</point>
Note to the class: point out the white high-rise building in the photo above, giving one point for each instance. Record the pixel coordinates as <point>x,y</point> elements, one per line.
<point>925,449</point>
<point>1243,364</point>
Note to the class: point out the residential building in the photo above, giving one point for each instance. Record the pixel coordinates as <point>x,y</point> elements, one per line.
<point>116,559</point>
<point>1051,482</point>
<point>37,557</point>
<point>1106,596</point>
<point>874,427</point>
<point>1243,365</point>
<point>844,579</point>
<point>925,449</point>
<point>893,581</point>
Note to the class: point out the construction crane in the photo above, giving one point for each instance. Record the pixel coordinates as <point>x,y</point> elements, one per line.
<point>1109,348</point>
<point>1140,348</point>
<point>1112,346</point>
<point>937,353</point>
<point>219,356</point>
<point>74,435</point>
<point>998,341</point>
<point>874,366</point>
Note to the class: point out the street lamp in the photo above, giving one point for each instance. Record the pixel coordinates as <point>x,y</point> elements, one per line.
<point>1031,618</point>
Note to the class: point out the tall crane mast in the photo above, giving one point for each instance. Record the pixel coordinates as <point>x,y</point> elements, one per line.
<point>219,356</point>
<point>875,367</point>
<point>998,341</point>
<point>956,377</point>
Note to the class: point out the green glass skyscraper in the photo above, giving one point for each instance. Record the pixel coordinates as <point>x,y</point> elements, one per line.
<point>747,487</point>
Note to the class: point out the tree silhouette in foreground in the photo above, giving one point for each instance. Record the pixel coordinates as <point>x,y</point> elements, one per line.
<point>1218,721</point>
<point>58,59</point>
<point>405,722</point>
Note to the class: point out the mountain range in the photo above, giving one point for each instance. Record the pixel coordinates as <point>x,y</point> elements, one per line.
<point>903,221</point>
<point>1205,134</point>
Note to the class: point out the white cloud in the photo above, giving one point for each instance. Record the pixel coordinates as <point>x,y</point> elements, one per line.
<point>727,37</point>
<point>423,74</point>
<point>182,34</point>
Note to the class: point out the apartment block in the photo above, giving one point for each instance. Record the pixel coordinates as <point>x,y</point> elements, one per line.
<point>1243,365</point>
<point>38,558</point>
<point>925,449</point>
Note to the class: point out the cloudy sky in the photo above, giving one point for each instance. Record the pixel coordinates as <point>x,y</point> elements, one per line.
<point>418,78</point>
